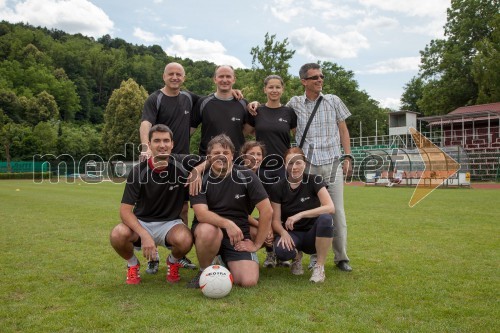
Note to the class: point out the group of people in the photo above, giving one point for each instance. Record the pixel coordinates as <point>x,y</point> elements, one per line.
<point>297,192</point>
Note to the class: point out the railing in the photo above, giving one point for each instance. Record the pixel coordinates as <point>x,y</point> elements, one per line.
<point>467,138</point>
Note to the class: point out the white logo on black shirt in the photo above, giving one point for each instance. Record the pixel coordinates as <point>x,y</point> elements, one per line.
<point>304,199</point>
<point>172,187</point>
<point>235,119</point>
<point>282,120</point>
<point>238,196</point>
<point>186,112</point>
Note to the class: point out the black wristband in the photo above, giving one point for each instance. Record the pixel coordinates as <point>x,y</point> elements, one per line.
<point>347,156</point>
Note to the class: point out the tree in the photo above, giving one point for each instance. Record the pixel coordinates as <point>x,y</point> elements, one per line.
<point>411,95</point>
<point>199,75</point>
<point>11,136</point>
<point>122,119</point>
<point>43,107</point>
<point>447,65</point>
<point>45,138</point>
<point>9,103</point>
<point>364,109</point>
<point>486,66</point>
<point>270,59</point>
<point>78,140</point>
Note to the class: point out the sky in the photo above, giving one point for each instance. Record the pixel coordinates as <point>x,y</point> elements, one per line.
<point>378,40</point>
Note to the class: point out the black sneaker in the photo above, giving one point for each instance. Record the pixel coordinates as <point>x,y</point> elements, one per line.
<point>153,266</point>
<point>186,263</point>
<point>195,282</point>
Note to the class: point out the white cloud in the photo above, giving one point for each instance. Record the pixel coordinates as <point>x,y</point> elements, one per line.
<point>433,28</point>
<point>285,10</point>
<point>72,16</point>
<point>318,45</point>
<point>381,22</point>
<point>328,10</point>
<point>422,8</point>
<point>432,11</point>
<point>395,65</point>
<point>146,35</point>
<point>201,50</point>
<point>291,10</point>
<point>391,103</point>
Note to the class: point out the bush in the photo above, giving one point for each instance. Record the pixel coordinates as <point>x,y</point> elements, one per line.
<point>25,175</point>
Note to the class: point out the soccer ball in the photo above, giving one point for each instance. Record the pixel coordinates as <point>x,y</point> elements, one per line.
<point>216,281</point>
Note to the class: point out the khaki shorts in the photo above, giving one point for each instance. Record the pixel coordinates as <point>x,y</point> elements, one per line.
<point>158,231</point>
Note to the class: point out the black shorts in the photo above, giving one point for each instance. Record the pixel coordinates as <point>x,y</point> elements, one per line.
<point>228,253</point>
<point>226,250</point>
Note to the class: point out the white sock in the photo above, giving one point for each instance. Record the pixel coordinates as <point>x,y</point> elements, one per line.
<point>171,259</point>
<point>132,261</point>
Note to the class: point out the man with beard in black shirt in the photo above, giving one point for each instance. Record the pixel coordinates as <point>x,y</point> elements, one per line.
<point>222,209</point>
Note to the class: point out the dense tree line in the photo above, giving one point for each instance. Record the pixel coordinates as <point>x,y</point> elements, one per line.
<point>70,94</point>
<point>462,69</point>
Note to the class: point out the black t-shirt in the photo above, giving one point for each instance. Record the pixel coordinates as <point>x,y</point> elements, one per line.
<point>272,127</point>
<point>159,196</point>
<point>302,198</point>
<point>232,197</point>
<point>175,112</point>
<point>218,116</point>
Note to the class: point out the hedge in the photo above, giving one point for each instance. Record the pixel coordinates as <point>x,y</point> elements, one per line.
<point>25,175</point>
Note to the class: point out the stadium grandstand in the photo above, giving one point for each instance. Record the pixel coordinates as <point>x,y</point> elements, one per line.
<point>470,135</point>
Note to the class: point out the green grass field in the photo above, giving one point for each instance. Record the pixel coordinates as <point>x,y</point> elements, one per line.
<point>431,268</point>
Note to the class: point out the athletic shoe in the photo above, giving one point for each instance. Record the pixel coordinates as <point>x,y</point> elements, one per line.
<point>153,266</point>
<point>296,266</point>
<point>312,261</point>
<point>280,263</point>
<point>133,276</point>
<point>318,274</point>
<point>186,263</point>
<point>173,272</point>
<point>270,261</point>
<point>195,282</point>
<point>343,265</point>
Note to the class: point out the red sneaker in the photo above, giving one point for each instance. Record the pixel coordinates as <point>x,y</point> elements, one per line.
<point>173,272</point>
<point>133,276</point>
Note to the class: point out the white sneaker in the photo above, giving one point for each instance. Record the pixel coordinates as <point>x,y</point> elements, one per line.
<point>318,274</point>
<point>296,266</point>
<point>312,261</point>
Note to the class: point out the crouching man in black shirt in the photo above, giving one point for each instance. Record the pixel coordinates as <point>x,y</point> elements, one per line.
<point>222,208</point>
<point>151,207</point>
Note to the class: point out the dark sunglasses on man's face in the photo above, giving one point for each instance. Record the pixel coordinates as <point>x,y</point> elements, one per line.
<point>315,77</point>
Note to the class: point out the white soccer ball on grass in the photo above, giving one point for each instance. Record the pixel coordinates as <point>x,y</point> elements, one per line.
<point>216,281</point>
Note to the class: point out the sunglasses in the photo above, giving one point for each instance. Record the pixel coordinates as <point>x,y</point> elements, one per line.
<point>315,77</point>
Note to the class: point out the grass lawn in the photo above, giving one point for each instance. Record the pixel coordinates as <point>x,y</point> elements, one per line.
<point>431,268</point>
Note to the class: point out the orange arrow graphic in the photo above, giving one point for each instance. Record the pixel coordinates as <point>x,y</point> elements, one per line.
<point>439,166</point>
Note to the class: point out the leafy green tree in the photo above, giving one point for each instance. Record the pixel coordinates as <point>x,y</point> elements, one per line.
<point>486,66</point>
<point>36,78</point>
<point>45,138</point>
<point>272,58</point>
<point>10,104</point>
<point>199,75</point>
<point>411,95</point>
<point>364,109</point>
<point>79,140</point>
<point>11,138</point>
<point>41,108</point>
<point>447,65</point>
<point>122,119</point>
